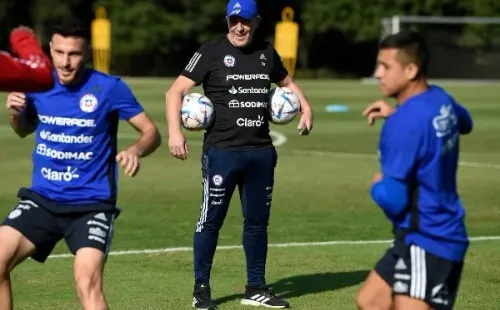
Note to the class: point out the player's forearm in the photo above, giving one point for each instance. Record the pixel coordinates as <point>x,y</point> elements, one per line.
<point>288,82</point>
<point>465,122</point>
<point>391,195</point>
<point>21,126</point>
<point>173,108</point>
<point>149,141</point>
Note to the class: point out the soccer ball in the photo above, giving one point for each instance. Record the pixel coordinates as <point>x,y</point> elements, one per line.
<point>283,105</point>
<point>197,112</point>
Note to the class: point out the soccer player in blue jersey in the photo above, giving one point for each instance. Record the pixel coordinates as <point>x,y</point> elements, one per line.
<point>417,185</point>
<point>73,194</point>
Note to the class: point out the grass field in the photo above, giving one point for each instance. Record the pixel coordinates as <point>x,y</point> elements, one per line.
<point>321,194</point>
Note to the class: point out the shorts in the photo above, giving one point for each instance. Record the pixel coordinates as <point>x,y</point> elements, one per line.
<point>413,272</point>
<point>45,229</point>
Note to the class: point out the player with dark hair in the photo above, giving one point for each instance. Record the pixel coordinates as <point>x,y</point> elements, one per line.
<point>417,185</point>
<point>73,194</point>
<point>236,72</point>
<point>31,70</point>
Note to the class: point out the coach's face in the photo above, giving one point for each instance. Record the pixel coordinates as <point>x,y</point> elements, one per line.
<point>392,73</point>
<point>69,55</point>
<point>241,30</point>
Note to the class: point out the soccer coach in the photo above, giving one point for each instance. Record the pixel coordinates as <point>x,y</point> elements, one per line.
<point>236,73</point>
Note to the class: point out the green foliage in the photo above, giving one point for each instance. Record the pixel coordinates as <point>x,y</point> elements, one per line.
<point>143,27</point>
<point>362,22</point>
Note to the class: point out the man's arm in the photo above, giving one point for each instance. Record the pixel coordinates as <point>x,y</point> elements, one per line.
<point>173,102</point>
<point>22,126</point>
<point>129,109</point>
<point>465,122</point>
<point>280,76</point>
<point>400,145</point>
<point>32,71</point>
<point>288,82</point>
<point>193,74</point>
<point>150,138</point>
<point>23,116</point>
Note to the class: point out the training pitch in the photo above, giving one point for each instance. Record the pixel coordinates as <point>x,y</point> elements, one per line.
<point>325,231</point>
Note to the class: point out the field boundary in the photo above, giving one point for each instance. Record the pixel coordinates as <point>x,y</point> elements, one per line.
<point>370,156</point>
<point>271,245</point>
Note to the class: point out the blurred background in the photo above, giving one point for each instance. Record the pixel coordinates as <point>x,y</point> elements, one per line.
<point>326,232</point>
<point>338,38</point>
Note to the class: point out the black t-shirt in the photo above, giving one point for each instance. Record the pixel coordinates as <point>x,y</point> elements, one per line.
<point>237,81</point>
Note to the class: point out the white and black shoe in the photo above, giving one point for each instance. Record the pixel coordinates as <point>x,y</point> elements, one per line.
<point>262,296</point>
<point>202,298</point>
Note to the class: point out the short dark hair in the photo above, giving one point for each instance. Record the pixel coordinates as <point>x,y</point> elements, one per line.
<point>413,47</point>
<point>71,27</point>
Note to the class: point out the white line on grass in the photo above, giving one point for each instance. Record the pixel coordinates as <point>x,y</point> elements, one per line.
<point>272,245</point>
<point>369,156</point>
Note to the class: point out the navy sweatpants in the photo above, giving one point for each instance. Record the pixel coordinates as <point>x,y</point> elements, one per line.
<point>253,173</point>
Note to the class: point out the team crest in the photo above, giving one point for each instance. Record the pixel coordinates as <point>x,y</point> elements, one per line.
<point>217,179</point>
<point>229,61</point>
<point>88,103</point>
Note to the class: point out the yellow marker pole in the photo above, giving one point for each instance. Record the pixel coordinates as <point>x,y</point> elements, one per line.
<point>101,40</point>
<point>286,40</point>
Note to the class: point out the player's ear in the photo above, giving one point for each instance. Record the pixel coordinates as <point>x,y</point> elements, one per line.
<point>411,71</point>
<point>257,21</point>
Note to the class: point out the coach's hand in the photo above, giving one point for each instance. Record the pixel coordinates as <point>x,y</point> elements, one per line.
<point>178,146</point>
<point>376,110</point>
<point>305,123</point>
<point>16,103</point>
<point>129,160</point>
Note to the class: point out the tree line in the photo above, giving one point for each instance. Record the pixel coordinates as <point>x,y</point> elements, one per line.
<point>337,38</point>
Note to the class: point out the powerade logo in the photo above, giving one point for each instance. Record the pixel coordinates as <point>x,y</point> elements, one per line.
<point>247,77</point>
<point>66,121</point>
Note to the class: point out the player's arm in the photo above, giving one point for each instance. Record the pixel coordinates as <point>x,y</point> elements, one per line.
<point>400,146</point>
<point>23,117</point>
<point>193,74</point>
<point>32,71</point>
<point>465,122</point>
<point>280,77</point>
<point>131,110</point>
<point>289,82</point>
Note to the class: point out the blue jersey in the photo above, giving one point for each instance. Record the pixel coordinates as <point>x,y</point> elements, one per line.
<point>74,161</point>
<point>419,146</point>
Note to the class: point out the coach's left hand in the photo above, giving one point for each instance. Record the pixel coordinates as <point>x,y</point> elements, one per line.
<point>306,122</point>
<point>129,160</point>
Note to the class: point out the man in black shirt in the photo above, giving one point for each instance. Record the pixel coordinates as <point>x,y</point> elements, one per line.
<point>236,73</point>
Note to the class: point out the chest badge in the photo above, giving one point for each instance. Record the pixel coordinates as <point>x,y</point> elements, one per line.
<point>88,103</point>
<point>229,61</point>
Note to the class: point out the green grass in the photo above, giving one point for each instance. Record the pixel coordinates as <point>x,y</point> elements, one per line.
<point>321,194</point>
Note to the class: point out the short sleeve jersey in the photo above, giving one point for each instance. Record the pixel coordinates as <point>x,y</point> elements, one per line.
<point>237,81</point>
<point>419,146</point>
<point>76,139</point>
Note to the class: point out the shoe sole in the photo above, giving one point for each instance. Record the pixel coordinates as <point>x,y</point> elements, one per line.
<point>249,302</point>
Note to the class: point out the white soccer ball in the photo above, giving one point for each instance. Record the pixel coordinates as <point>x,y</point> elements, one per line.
<point>197,112</point>
<point>283,105</point>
